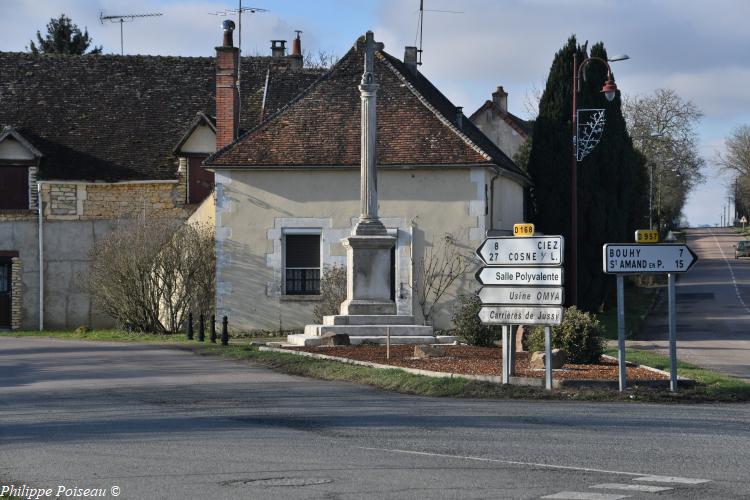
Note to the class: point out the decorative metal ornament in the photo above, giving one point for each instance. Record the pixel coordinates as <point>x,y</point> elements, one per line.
<point>588,132</point>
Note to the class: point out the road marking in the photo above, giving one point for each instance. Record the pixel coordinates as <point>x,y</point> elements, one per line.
<point>731,273</point>
<point>636,475</point>
<point>631,487</point>
<point>580,495</point>
<point>672,479</point>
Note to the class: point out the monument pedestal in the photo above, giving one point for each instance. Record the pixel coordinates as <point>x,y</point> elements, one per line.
<point>368,263</point>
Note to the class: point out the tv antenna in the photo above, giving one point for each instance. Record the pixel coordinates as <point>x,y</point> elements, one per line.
<point>124,19</point>
<point>420,26</point>
<point>239,10</point>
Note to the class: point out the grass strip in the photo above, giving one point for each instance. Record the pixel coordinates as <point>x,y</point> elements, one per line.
<point>711,387</point>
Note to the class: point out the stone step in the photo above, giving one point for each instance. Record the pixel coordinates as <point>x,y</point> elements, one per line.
<point>314,340</point>
<point>368,319</point>
<point>369,330</point>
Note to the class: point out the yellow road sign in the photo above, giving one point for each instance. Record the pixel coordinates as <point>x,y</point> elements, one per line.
<point>647,236</point>
<point>523,229</point>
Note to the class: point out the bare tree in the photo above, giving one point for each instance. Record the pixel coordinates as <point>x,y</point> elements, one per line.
<point>148,274</point>
<point>322,59</point>
<point>663,128</point>
<point>332,292</point>
<point>735,161</point>
<point>436,271</point>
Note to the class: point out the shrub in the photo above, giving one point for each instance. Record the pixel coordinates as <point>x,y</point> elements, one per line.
<point>332,292</point>
<point>149,274</point>
<point>580,335</point>
<point>468,326</point>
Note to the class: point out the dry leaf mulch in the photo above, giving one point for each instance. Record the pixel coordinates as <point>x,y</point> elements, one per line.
<point>470,360</point>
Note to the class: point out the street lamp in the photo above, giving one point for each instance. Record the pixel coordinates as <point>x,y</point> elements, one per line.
<point>584,142</point>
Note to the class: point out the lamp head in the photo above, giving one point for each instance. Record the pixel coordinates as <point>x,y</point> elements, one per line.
<point>609,89</point>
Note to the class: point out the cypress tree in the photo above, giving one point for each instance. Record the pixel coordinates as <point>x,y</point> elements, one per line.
<point>610,179</point>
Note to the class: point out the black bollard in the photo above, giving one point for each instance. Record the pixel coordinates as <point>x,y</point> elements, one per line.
<point>190,326</point>
<point>213,329</point>
<point>201,328</point>
<point>225,331</point>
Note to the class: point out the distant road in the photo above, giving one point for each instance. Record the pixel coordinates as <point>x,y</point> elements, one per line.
<point>713,307</point>
<point>165,424</point>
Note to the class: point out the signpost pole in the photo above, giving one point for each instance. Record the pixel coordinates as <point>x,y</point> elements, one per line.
<point>548,357</point>
<point>672,334</point>
<point>506,357</point>
<point>511,351</point>
<point>621,331</point>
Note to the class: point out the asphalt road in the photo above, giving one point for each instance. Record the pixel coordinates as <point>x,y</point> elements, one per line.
<point>713,307</point>
<point>163,423</point>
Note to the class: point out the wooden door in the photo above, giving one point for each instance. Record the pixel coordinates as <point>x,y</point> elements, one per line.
<point>201,181</point>
<point>14,188</point>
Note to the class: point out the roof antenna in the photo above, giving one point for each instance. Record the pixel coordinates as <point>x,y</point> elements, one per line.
<point>124,19</point>
<point>420,26</point>
<point>239,10</point>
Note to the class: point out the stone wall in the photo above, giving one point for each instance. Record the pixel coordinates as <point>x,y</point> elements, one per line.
<point>17,215</point>
<point>125,200</point>
<point>16,290</point>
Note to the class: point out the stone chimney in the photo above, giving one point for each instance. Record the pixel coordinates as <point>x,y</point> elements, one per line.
<point>227,93</point>
<point>500,98</point>
<point>296,60</point>
<point>410,59</point>
<point>278,48</point>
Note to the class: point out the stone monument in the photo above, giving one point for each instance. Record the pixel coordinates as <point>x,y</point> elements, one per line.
<point>368,313</point>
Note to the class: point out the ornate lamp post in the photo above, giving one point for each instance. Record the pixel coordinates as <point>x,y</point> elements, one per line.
<point>586,136</point>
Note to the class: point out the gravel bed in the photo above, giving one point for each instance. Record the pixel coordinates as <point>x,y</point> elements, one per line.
<point>479,361</point>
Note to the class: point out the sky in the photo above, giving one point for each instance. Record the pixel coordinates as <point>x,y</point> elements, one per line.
<point>697,47</point>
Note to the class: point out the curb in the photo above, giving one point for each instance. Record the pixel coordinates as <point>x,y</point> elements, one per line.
<point>524,381</point>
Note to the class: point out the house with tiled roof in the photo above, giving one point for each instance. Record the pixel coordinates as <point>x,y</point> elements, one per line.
<point>86,141</point>
<point>288,192</point>
<point>506,130</point>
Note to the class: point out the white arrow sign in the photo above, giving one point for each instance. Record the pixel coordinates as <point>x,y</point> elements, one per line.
<point>511,315</point>
<point>529,251</point>
<point>641,259</point>
<point>522,295</point>
<point>552,276</point>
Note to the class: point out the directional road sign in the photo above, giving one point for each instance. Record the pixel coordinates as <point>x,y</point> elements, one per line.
<point>552,276</point>
<point>530,251</point>
<point>520,315</point>
<point>632,258</point>
<point>522,295</point>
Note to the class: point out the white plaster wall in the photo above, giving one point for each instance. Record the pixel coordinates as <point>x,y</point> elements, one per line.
<point>11,149</point>
<point>499,132</point>
<point>202,140</point>
<point>508,205</point>
<point>254,208</point>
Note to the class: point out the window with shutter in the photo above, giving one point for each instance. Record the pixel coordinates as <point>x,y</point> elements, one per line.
<point>302,264</point>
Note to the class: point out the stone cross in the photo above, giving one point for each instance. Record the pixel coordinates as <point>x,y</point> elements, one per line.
<point>369,223</point>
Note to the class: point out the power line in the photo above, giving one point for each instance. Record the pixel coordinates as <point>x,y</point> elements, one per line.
<point>125,19</point>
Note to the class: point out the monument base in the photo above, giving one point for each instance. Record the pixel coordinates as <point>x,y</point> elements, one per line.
<point>368,275</point>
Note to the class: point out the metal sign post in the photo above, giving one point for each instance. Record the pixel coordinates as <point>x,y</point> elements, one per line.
<point>548,358</point>
<point>672,334</point>
<point>522,285</point>
<point>628,258</point>
<point>621,331</point>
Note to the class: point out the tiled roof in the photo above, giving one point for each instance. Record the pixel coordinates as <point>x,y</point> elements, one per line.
<point>117,118</point>
<point>417,125</point>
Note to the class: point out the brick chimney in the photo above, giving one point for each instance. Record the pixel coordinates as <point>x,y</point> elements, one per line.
<point>410,59</point>
<point>500,98</point>
<point>227,93</point>
<point>296,60</point>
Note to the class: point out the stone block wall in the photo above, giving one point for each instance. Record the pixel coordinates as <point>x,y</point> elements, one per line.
<point>95,201</point>
<point>16,289</point>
